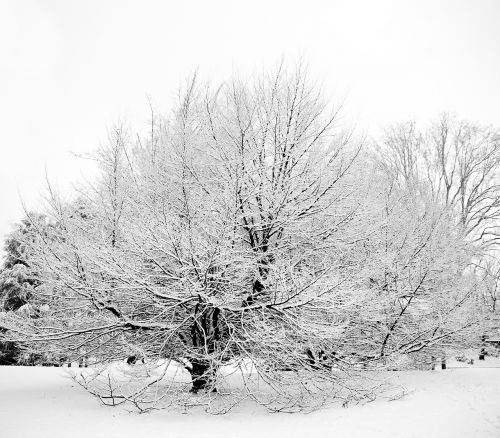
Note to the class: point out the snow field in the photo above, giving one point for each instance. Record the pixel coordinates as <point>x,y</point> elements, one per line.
<point>457,402</point>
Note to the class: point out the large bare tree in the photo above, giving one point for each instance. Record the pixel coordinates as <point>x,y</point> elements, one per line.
<point>238,233</point>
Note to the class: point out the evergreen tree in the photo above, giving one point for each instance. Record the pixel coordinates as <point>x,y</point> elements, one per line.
<point>17,282</point>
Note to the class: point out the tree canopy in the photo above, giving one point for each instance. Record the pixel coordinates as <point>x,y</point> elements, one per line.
<point>247,229</point>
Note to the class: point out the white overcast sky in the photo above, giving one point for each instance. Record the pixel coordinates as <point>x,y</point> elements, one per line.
<point>69,69</point>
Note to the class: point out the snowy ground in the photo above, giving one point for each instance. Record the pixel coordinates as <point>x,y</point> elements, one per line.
<point>458,402</point>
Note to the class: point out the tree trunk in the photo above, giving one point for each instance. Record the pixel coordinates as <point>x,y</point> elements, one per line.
<point>205,336</point>
<point>201,375</point>
<point>482,353</point>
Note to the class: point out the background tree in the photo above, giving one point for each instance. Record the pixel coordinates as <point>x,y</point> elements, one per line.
<point>18,282</point>
<point>489,272</point>
<point>458,163</point>
<point>417,270</point>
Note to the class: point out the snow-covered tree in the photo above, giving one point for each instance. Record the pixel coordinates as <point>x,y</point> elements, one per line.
<point>17,281</point>
<point>488,271</point>
<point>458,163</point>
<point>418,271</point>
<point>246,232</point>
